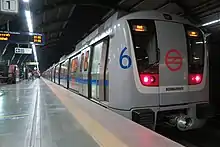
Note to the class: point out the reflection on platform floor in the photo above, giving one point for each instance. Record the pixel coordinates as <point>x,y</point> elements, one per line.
<point>31,115</point>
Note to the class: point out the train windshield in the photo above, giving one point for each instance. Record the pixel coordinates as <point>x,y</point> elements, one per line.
<point>195,48</point>
<point>145,43</point>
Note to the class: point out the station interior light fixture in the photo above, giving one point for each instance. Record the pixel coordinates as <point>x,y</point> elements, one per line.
<point>211,22</point>
<point>29,21</point>
<point>30,28</point>
<point>26,1</point>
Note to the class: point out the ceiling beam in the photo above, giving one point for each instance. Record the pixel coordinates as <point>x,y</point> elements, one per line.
<point>48,45</point>
<point>52,40</point>
<point>203,5</point>
<point>135,5</point>
<point>210,13</point>
<point>187,13</point>
<point>70,2</point>
<point>53,31</point>
<point>52,36</point>
<point>52,6</point>
<point>51,22</point>
<point>214,6</point>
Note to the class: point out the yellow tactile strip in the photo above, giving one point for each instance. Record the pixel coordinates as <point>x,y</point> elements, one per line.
<point>102,136</point>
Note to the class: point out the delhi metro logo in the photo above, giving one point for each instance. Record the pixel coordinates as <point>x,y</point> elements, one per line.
<point>173,60</point>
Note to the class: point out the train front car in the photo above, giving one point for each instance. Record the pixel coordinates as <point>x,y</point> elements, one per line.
<point>164,71</point>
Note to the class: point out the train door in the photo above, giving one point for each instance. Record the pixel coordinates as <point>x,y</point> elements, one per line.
<point>51,75</point>
<point>74,80</point>
<point>173,68</point>
<point>63,73</point>
<point>98,71</point>
<point>68,65</point>
<point>85,71</point>
<point>57,74</point>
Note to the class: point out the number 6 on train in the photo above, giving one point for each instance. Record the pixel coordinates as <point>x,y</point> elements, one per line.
<point>124,57</point>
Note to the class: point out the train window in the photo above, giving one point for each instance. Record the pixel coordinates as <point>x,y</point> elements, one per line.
<point>81,62</point>
<point>53,75</point>
<point>63,70</point>
<point>195,47</point>
<point>56,71</point>
<point>86,61</point>
<point>145,43</point>
<point>74,65</point>
<point>57,74</point>
<point>97,57</point>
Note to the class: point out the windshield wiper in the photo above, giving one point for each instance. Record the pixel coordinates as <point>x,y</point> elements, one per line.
<point>158,59</point>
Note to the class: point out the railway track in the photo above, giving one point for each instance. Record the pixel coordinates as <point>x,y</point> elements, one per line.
<point>208,136</point>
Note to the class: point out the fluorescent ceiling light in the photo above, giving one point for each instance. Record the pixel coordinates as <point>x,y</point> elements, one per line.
<point>29,21</point>
<point>30,28</point>
<point>211,22</point>
<point>28,14</point>
<point>26,1</point>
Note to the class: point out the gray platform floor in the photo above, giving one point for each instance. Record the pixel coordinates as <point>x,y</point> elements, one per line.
<point>31,115</point>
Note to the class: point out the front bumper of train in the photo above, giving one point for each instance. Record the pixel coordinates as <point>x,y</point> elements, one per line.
<point>150,118</point>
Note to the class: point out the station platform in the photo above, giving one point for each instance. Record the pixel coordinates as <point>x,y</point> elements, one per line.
<point>40,113</point>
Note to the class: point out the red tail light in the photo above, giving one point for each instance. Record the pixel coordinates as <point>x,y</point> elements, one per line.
<point>149,79</point>
<point>195,79</point>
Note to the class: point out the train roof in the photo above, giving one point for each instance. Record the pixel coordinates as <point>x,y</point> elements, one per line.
<point>105,28</point>
<point>123,16</point>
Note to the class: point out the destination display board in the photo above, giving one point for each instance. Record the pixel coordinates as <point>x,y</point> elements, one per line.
<point>22,38</point>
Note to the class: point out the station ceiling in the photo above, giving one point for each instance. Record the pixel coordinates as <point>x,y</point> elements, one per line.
<point>66,22</point>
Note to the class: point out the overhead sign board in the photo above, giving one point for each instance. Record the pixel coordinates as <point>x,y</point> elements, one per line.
<point>22,38</point>
<point>32,63</point>
<point>19,50</point>
<point>9,6</point>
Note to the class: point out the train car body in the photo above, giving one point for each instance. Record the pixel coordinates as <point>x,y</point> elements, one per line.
<point>148,66</point>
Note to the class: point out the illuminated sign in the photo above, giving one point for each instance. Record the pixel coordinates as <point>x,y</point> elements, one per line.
<point>22,38</point>
<point>37,39</point>
<point>139,28</point>
<point>32,63</point>
<point>23,50</point>
<point>193,34</point>
<point>9,6</point>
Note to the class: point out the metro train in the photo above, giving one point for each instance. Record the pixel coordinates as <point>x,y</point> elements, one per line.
<point>148,66</point>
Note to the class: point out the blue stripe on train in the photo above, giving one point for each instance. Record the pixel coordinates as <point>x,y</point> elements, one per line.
<point>85,81</point>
